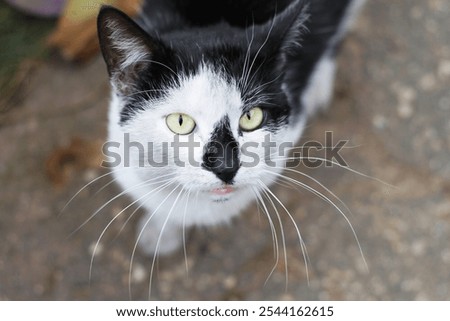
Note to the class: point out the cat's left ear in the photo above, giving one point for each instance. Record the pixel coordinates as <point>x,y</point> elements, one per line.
<point>127,49</point>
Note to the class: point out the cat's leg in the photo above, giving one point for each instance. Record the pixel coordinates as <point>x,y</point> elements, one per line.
<point>319,91</point>
<point>156,236</point>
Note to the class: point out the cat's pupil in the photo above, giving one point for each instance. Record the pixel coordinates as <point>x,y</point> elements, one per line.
<point>180,120</point>
<point>249,116</point>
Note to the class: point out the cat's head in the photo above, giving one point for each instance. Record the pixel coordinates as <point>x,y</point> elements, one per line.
<point>210,101</point>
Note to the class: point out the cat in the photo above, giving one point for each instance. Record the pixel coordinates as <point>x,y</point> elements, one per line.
<point>216,76</point>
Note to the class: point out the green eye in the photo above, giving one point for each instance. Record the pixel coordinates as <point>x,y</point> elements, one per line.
<point>252,119</point>
<point>180,124</point>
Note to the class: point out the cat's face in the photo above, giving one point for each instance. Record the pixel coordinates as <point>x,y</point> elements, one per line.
<point>212,114</point>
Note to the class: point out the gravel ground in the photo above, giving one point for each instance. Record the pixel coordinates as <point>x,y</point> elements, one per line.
<point>392,104</point>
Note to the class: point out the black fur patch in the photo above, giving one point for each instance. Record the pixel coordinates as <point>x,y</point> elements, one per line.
<point>270,48</point>
<point>221,154</point>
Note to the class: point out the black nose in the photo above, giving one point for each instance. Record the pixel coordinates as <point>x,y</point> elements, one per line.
<point>226,174</point>
<point>222,160</point>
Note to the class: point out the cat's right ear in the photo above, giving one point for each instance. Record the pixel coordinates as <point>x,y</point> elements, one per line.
<point>127,49</point>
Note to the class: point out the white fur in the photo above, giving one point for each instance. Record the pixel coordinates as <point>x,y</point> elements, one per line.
<point>132,49</point>
<point>320,87</point>
<point>350,18</point>
<point>207,97</point>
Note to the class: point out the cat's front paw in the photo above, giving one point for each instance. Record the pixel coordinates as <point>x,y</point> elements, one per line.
<point>158,239</point>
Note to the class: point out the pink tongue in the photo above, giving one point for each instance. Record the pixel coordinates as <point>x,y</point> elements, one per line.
<point>222,191</point>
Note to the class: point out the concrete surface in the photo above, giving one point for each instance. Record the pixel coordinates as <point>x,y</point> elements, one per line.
<point>392,104</point>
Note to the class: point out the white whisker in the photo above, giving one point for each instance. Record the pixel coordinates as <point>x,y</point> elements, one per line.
<point>184,232</point>
<point>81,189</point>
<point>247,56</point>
<point>318,183</point>
<point>300,238</point>
<point>140,185</point>
<point>280,222</point>
<point>329,201</point>
<point>275,245</point>
<point>159,241</point>
<point>346,167</point>
<point>142,231</point>
<point>159,188</point>
<point>257,54</point>
<point>146,195</point>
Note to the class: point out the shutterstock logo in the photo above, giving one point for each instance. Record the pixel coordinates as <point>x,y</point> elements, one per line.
<point>130,153</point>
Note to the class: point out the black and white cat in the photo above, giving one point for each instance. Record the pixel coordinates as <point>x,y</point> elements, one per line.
<point>217,76</point>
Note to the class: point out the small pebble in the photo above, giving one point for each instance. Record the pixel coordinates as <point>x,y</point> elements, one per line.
<point>406,94</point>
<point>90,175</point>
<point>416,12</point>
<point>139,274</point>
<point>95,251</point>
<point>230,282</point>
<point>444,69</point>
<point>428,82</point>
<point>379,122</point>
<point>444,103</point>
<point>405,111</point>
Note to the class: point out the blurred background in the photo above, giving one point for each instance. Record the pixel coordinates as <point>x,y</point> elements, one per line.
<point>392,103</point>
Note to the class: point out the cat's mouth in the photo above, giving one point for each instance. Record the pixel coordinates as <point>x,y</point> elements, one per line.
<point>222,191</point>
